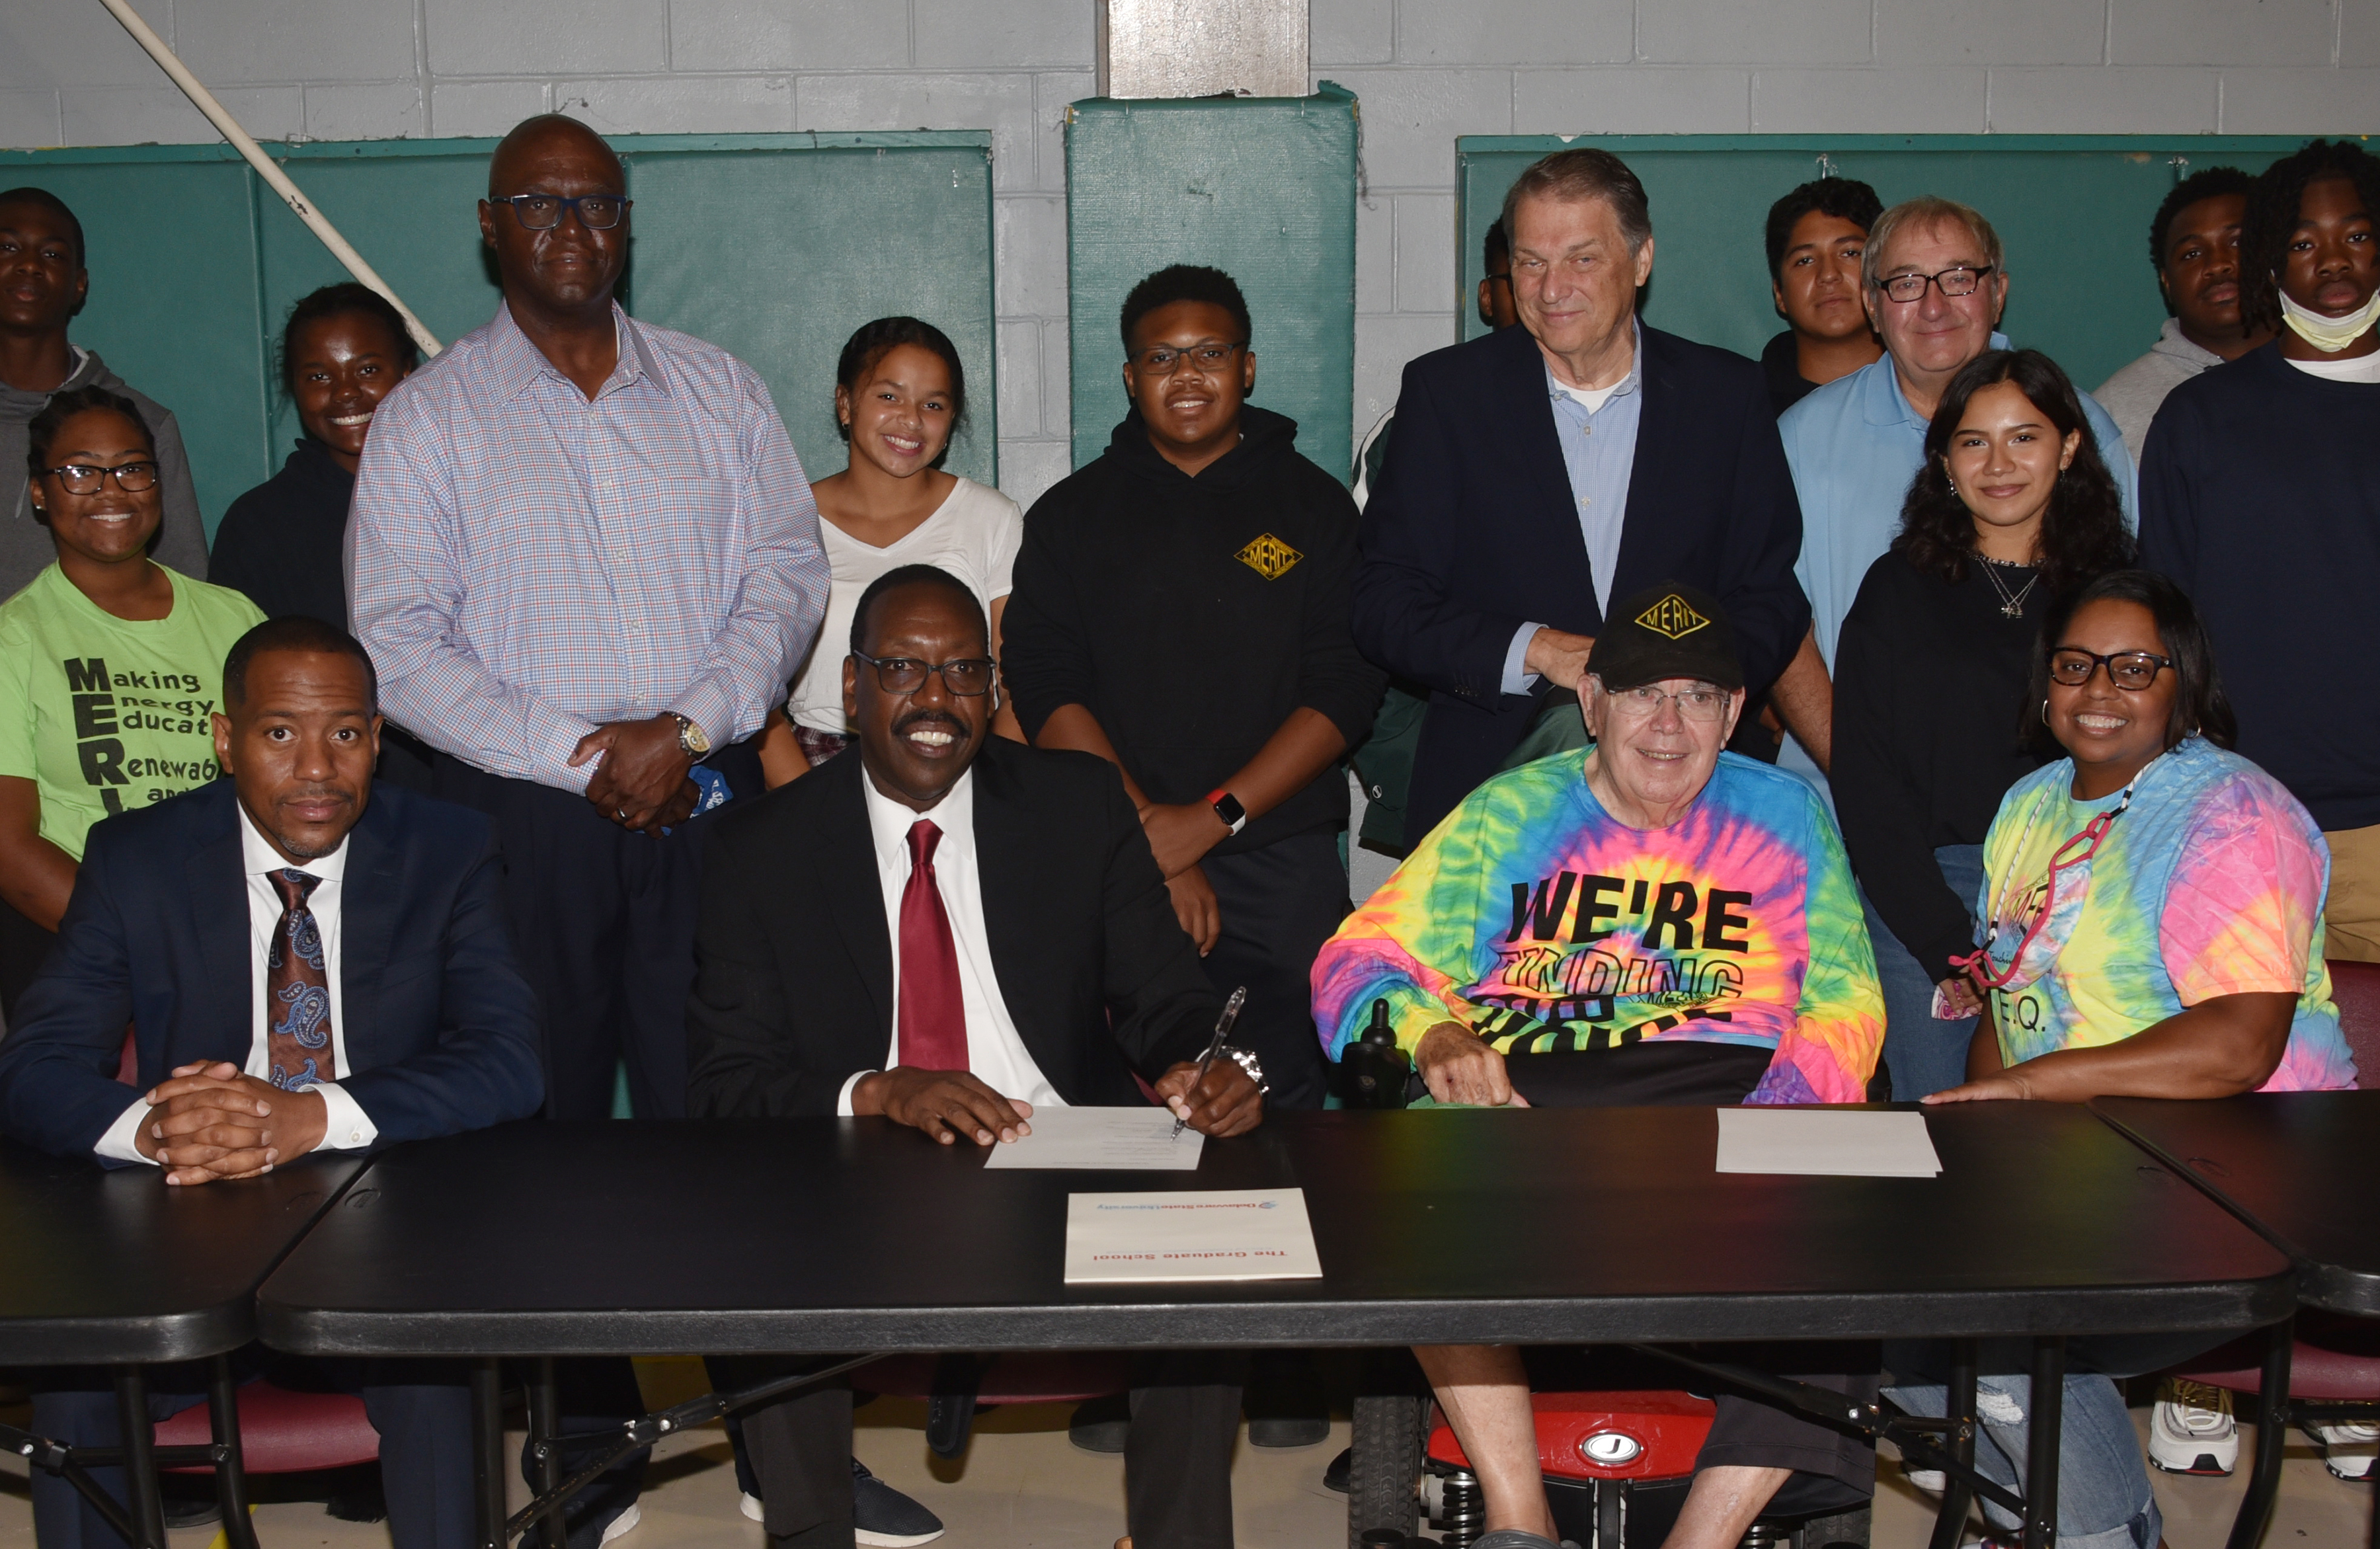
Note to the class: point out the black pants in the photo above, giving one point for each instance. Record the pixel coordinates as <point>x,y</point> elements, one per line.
<point>422,1410</point>
<point>1177,1463</point>
<point>603,920</point>
<point>1278,904</point>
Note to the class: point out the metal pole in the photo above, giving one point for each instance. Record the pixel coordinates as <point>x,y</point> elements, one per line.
<point>147,1507</point>
<point>488,1453</point>
<point>2041,1439</point>
<point>266,168</point>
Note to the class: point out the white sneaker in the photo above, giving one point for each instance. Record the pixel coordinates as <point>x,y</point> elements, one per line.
<point>625,1524</point>
<point>751,1505</point>
<point>2348,1450</point>
<point>2192,1431</point>
<point>1933,1482</point>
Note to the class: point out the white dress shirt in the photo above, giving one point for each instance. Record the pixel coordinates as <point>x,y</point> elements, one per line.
<point>995,1054</point>
<point>347,1127</point>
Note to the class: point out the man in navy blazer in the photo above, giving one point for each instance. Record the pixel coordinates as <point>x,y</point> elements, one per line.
<point>307,964</point>
<point>1540,471</point>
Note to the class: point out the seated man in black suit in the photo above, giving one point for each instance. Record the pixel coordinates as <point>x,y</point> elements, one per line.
<point>309,964</point>
<point>953,931</point>
<point>1539,473</point>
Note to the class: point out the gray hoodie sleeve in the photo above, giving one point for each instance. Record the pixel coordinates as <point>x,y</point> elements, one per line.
<point>182,535</point>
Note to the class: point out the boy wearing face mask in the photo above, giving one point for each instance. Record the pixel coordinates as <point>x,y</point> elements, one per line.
<point>2259,492</point>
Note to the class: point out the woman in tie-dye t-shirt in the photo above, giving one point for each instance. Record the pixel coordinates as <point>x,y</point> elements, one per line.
<point>2180,955</point>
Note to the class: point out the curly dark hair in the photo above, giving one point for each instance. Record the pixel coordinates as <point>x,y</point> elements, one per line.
<point>2213,183</point>
<point>2199,702</point>
<point>2272,218</point>
<point>2083,532</point>
<point>1185,282</point>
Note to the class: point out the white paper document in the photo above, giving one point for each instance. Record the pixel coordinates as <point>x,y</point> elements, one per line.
<point>1830,1143</point>
<point>1213,1234</point>
<point>1121,1139</point>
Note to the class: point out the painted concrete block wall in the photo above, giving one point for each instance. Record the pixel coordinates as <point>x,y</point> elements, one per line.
<point>1426,70</point>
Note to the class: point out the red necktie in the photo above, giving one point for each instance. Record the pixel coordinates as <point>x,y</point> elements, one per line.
<point>933,1016</point>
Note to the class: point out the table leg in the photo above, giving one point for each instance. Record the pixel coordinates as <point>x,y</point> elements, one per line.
<point>1950,1522</point>
<point>2041,1461</point>
<point>231,1469</point>
<point>545,1424</point>
<point>488,1453</point>
<point>2272,1430</point>
<point>147,1507</point>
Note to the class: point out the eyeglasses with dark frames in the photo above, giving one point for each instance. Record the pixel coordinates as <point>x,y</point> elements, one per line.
<point>544,212</point>
<point>966,678</point>
<point>1163,361</point>
<point>1957,281</point>
<point>2131,671</point>
<point>85,479</point>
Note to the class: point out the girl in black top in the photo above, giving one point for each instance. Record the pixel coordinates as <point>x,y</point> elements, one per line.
<point>284,542</point>
<point>2013,507</point>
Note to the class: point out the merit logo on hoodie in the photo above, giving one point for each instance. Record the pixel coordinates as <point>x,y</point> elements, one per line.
<point>1268,557</point>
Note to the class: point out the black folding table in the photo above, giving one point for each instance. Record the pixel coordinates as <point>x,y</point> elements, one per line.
<point>114,1268</point>
<point>2297,1168</point>
<point>1530,1226</point>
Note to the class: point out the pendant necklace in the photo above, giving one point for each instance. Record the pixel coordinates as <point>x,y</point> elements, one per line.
<point>2012,603</point>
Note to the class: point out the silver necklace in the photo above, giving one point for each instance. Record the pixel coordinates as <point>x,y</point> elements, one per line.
<point>2012,603</point>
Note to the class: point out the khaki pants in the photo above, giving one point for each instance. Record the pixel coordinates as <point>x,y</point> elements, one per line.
<point>2351,915</point>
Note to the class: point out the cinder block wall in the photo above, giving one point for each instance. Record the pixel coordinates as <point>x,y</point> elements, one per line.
<point>1426,71</point>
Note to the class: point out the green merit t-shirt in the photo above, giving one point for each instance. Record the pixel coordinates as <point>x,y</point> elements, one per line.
<point>105,714</point>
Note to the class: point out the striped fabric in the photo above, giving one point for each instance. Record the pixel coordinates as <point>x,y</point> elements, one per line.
<point>525,564</point>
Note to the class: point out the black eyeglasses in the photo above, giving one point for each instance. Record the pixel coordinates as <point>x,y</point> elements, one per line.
<point>85,479</point>
<point>543,212</point>
<point>2130,671</point>
<point>1961,279</point>
<point>1164,362</point>
<point>906,674</point>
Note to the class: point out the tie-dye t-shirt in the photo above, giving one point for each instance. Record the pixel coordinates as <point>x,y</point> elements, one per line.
<point>1540,921</point>
<point>2210,883</point>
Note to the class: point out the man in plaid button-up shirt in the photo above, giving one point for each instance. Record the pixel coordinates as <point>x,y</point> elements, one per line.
<point>584,558</point>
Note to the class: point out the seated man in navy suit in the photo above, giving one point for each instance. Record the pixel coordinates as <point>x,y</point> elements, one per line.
<point>309,964</point>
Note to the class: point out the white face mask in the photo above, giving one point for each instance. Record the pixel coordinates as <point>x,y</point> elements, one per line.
<point>2329,334</point>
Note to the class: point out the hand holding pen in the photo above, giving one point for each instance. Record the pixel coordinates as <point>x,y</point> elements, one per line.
<point>1214,1096</point>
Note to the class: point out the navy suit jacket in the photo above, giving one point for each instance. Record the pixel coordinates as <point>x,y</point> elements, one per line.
<point>1473,532</point>
<point>441,1029</point>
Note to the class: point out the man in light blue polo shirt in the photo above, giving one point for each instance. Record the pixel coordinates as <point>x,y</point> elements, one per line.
<point>1856,443</point>
<point>1935,286</point>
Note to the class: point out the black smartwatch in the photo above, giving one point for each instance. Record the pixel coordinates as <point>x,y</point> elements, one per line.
<point>1227,807</point>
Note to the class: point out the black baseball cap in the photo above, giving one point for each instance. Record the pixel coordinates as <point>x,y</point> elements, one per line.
<point>1669,631</point>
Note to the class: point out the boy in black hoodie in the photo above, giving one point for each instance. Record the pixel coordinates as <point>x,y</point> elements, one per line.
<point>1181,609</point>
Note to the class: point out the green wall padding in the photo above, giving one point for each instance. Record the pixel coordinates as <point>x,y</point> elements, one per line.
<point>772,247</point>
<point>1263,187</point>
<point>2072,211</point>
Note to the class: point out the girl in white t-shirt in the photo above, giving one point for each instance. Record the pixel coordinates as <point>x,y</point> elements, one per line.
<point>899,394</point>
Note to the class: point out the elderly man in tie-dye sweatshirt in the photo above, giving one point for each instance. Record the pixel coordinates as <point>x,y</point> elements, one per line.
<point>1652,921</point>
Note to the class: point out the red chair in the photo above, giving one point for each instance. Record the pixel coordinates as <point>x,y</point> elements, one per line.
<point>2333,1362</point>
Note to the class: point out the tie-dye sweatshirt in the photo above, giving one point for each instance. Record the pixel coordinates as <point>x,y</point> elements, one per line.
<point>2210,883</point>
<point>1540,921</point>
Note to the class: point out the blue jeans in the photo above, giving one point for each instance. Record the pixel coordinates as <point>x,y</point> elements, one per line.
<point>1923,1055</point>
<point>2104,1500</point>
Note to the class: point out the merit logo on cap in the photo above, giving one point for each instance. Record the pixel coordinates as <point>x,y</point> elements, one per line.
<point>1672,618</point>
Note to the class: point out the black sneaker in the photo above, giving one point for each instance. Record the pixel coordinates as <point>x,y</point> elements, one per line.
<point>884,1518</point>
<point>1340,1470</point>
<point>186,1507</point>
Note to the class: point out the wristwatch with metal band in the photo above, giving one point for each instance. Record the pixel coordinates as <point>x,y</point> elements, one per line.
<point>690,737</point>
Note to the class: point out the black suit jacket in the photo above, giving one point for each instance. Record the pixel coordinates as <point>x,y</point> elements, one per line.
<point>1473,532</point>
<point>793,988</point>
<point>441,1028</point>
